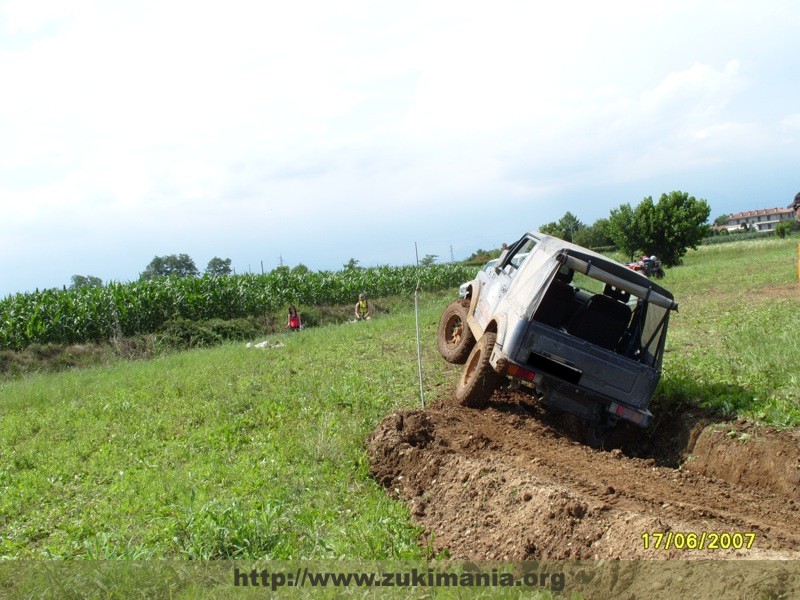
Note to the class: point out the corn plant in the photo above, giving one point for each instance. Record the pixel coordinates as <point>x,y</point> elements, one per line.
<point>140,307</point>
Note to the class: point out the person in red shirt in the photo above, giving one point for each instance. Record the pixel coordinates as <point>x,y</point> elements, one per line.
<point>294,319</point>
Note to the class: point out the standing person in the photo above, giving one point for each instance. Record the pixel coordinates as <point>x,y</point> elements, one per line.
<point>795,206</point>
<point>363,308</point>
<point>294,319</point>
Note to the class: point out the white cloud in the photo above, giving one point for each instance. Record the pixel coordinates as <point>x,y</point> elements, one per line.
<point>205,125</point>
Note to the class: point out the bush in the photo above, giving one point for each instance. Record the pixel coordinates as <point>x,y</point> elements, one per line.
<point>235,329</point>
<point>182,333</point>
<point>785,228</point>
<point>185,333</point>
<point>734,237</point>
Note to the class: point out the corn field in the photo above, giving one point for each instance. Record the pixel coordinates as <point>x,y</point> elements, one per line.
<point>127,309</point>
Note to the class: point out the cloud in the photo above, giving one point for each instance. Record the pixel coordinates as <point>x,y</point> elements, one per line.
<point>153,127</point>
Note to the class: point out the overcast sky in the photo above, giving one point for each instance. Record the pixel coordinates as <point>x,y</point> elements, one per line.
<point>316,132</point>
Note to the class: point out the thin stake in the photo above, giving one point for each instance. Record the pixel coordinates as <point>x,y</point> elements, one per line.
<point>416,318</point>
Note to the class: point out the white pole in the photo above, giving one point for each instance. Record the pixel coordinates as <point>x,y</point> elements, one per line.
<point>419,348</point>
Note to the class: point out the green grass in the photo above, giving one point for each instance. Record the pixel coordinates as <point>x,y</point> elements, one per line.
<point>734,346</point>
<point>241,453</point>
<point>218,453</point>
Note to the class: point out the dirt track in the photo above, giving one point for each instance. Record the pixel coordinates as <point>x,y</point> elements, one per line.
<point>509,482</point>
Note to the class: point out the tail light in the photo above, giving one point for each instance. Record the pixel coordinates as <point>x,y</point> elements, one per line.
<point>628,414</point>
<point>522,373</point>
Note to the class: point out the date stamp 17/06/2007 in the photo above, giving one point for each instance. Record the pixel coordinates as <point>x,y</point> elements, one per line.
<point>704,540</point>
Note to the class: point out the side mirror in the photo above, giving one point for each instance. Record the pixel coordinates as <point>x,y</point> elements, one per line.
<point>499,269</point>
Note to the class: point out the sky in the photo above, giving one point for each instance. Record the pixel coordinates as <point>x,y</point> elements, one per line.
<point>313,132</point>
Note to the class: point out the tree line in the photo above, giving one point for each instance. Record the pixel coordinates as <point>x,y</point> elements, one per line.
<point>666,228</point>
<point>180,265</point>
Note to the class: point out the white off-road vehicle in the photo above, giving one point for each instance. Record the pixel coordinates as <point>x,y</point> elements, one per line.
<point>579,330</point>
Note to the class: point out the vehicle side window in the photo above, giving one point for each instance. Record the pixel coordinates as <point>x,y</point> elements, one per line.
<point>514,260</point>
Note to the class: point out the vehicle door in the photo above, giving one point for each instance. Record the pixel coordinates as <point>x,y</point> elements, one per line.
<point>495,289</point>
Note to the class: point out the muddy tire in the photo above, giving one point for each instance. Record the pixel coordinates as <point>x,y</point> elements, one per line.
<point>597,433</point>
<point>478,379</point>
<point>454,337</point>
<point>595,437</point>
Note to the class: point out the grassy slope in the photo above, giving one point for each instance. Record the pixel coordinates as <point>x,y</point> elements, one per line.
<point>249,453</point>
<point>735,343</point>
<point>228,452</point>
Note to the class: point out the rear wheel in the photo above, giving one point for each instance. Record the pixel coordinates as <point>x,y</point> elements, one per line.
<point>596,437</point>
<point>478,379</point>
<point>454,337</point>
<point>597,431</point>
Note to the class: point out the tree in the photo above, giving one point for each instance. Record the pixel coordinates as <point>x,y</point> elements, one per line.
<point>350,264</point>
<point>722,220</point>
<point>667,228</point>
<point>551,228</point>
<point>180,265</point>
<point>672,225</point>
<point>565,228</point>
<point>624,231</point>
<point>481,256</point>
<point>218,267</point>
<point>85,281</point>
<point>594,236</point>
<point>300,269</point>
<point>570,225</point>
<point>428,260</point>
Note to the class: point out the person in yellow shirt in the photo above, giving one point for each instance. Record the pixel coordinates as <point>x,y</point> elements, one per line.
<point>363,308</point>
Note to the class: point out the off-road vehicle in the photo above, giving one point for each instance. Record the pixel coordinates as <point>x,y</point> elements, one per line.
<point>575,328</point>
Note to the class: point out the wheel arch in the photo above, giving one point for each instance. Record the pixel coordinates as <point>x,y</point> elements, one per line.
<point>498,326</point>
<point>473,294</point>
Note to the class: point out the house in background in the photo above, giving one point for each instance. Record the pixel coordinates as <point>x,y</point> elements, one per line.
<point>764,219</point>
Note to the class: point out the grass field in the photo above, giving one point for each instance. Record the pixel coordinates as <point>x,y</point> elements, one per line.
<point>240,453</point>
<point>735,342</point>
<point>219,453</point>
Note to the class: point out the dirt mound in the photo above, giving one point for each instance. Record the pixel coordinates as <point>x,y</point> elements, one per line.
<point>510,482</point>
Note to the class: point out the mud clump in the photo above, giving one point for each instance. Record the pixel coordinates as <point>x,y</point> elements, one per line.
<point>395,448</point>
<point>510,483</point>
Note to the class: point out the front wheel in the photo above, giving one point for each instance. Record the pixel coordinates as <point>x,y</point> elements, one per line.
<point>454,337</point>
<point>478,379</point>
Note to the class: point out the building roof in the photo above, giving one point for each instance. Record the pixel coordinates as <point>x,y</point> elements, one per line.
<point>762,211</point>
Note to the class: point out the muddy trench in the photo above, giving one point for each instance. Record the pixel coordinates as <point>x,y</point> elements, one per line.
<point>514,482</point>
